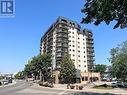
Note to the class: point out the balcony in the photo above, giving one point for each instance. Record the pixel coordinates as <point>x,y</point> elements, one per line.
<point>90,42</point>
<point>58,55</point>
<point>90,50</point>
<point>89,46</point>
<point>64,26</point>
<point>65,45</point>
<point>58,50</point>
<point>90,55</point>
<point>61,36</point>
<point>58,45</point>
<point>90,59</point>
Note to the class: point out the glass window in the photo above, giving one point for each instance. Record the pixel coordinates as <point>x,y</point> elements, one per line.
<point>83,79</point>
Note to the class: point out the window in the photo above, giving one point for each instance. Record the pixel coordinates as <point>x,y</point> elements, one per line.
<point>73,41</point>
<point>73,55</point>
<point>78,38</point>
<point>78,51</point>
<point>69,40</point>
<point>84,56</point>
<point>84,65</point>
<point>86,78</point>
<point>70,45</point>
<point>78,46</point>
<point>69,49</point>
<point>83,79</point>
<point>83,39</point>
<point>79,60</point>
<point>73,37</point>
<point>78,42</point>
<point>73,45</point>
<point>83,43</point>
<point>84,51</point>
<point>83,47</point>
<point>72,32</point>
<point>79,65</point>
<point>73,50</point>
<point>69,36</point>
<point>78,55</point>
<point>73,60</point>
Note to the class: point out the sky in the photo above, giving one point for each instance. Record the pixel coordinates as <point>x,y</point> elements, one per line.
<point>20,36</point>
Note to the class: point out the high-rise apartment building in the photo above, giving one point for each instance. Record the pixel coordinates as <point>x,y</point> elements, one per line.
<point>66,36</point>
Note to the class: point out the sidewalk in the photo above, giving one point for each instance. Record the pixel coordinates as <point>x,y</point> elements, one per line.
<point>116,91</point>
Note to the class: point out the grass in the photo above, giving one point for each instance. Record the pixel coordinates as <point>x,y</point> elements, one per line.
<point>104,86</point>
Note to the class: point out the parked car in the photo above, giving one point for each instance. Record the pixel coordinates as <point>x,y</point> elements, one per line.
<point>118,84</point>
<point>114,84</point>
<point>125,85</point>
<point>5,82</point>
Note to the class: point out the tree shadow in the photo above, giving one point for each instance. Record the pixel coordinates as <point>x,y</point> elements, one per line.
<point>90,93</point>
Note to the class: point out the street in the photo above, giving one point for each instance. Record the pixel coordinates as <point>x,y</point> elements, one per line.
<point>24,88</point>
<point>27,88</point>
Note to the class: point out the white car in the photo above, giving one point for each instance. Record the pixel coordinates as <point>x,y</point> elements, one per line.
<point>5,82</point>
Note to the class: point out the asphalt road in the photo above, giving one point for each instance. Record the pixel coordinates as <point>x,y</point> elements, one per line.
<point>25,88</point>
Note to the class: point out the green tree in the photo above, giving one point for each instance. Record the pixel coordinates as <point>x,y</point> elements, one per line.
<point>98,11</point>
<point>68,71</point>
<point>100,68</point>
<point>29,69</point>
<point>19,75</point>
<point>119,61</point>
<point>38,64</point>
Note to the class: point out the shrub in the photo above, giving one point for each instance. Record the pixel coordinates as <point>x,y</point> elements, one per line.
<point>80,87</point>
<point>72,86</point>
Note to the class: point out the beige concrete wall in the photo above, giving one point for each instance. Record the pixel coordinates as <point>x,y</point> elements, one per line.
<point>83,74</point>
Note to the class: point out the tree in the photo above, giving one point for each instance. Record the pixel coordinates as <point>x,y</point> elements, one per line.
<point>68,71</point>
<point>98,11</point>
<point>100,68</point>
<point>38,64</point>
<point>119,61</point>
<point>19,75</point>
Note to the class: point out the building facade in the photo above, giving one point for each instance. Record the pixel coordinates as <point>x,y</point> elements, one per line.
<point>66,37</point>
